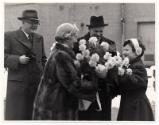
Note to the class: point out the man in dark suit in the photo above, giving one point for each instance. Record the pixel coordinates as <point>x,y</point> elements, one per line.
<point>96,28</point>
<point>25,59</point>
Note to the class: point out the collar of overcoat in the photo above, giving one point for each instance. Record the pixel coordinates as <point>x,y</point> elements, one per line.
<point>22,38</point>
<point>137,59</point>
<point>66,49</point>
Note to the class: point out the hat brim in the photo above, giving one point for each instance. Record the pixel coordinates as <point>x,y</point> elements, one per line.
<point>91,26</point>
<point>33,19</point>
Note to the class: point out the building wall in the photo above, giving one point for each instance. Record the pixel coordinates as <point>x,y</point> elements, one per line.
<point>52,15</point>
<point>137,13</point>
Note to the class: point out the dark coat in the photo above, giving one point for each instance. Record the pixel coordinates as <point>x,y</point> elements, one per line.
<point>103,89</point>
<point>60,88</point>
<point>134,105</point>
<point>23,79</point>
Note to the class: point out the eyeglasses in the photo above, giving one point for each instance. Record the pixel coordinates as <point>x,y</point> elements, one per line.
<point>32,22</point>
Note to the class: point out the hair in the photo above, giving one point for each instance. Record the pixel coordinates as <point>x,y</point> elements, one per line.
<point>129,42</point>
<point>65,31</point>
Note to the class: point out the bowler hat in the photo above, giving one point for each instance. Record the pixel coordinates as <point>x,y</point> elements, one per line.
<point>29,15</point>
<point>96,22</point>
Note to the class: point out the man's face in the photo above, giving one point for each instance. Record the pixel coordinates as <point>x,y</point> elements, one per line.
<point>96,31</point>
<point>30,26</point>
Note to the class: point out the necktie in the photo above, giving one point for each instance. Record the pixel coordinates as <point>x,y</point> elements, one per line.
<point>30,37</point>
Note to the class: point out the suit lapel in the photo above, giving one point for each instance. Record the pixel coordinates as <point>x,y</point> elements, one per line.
<point>21,37</point>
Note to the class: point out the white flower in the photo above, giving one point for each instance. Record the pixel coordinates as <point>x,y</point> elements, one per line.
<point>82,47</point>
<point>79,56</point>
<point>125,62</point>
<point>93,41</point>
<point>95,57</point>
<point>121,71</point>
<point>86,53</point>
<point>82,41</point>
<point>100,67</point>
<point>107,56</point>
<point>92,63</point>
<point>105,46</point>
<point>118,54</point>
<point>101,70</point>
<point>129,71</point>
<point>118,60</point>
<point>77,63</point>
<point>111,62</point>
<point>106,65</point>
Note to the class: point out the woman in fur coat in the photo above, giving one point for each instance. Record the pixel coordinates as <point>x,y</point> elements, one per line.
<point>134,105</point>
<point>60,87</point>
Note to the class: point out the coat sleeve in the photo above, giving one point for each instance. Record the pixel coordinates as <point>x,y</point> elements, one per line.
<point>44,58</point>
<point>68,77</point>
<point>138,79</point>
<point>10,60</point>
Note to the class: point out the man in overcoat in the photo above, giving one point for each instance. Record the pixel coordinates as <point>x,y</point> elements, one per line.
<point>96,29</point>
<point>24,58</point>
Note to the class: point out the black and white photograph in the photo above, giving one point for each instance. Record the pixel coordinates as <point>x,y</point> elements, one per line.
<point>80,62</point>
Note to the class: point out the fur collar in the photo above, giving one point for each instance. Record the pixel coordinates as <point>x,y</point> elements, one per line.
<point>137,59</point>
<point>67,50</point>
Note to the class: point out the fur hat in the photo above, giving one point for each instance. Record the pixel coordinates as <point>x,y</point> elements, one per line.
<point>65,30</point>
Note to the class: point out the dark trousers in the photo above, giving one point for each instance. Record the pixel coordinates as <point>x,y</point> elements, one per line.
<point>19,101</point>
<point>93,114</point>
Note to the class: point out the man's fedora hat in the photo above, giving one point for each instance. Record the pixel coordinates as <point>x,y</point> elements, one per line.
<point>96,22</point>
<point>30,15</point>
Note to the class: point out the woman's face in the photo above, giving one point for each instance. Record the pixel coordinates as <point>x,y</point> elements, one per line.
<point>128,52</point>
<point>71,41</point>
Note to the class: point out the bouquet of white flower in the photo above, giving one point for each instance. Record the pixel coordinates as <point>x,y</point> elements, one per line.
<point>95,61</point>
<point>92,52</point>
<point>99,61</point>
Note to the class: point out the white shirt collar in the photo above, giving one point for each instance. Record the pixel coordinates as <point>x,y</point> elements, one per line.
<point>65,45</point>
<point>26,34</point>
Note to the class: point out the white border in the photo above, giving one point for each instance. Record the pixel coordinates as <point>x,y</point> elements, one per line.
<point>77,1</point>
